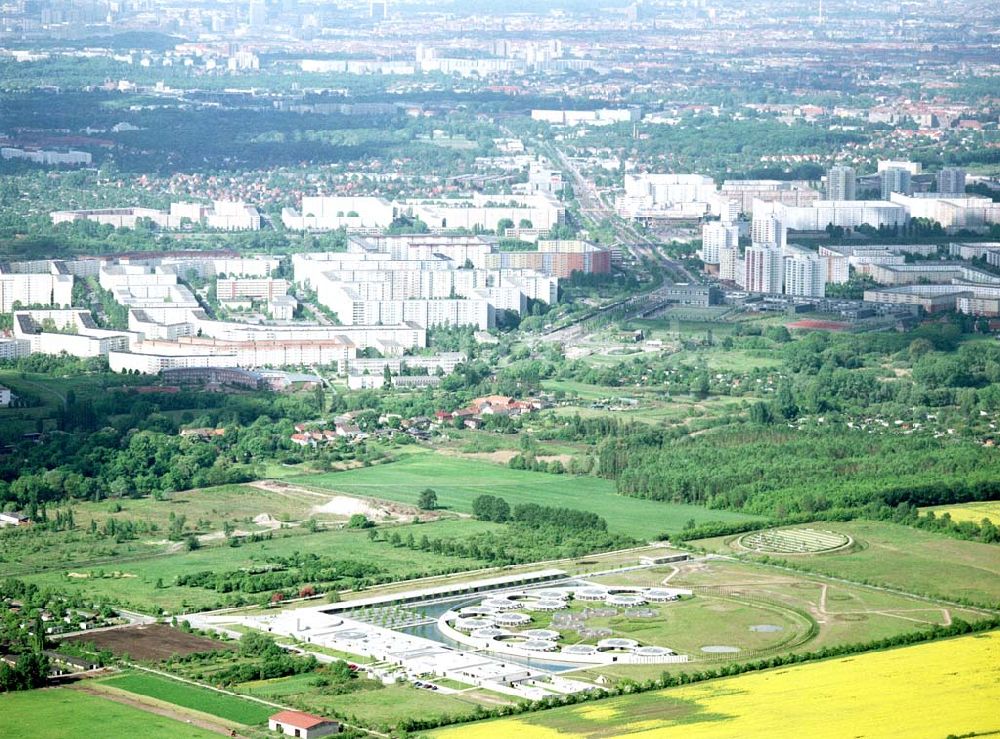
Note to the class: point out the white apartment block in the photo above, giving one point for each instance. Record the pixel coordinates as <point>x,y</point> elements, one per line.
<point>667,196</point>
<point>445,361</point>
<point>730,265</point>
<point>223,215</point>
<point>34,289</point>
<point>844,213</point>
<point>951,212</point>
<point>805,273</point>
<point>600,117</point>
<point>768,230</point>
<point>328,213</point>
<point>282,307</point>
<point>258,289</point>
<point>763,269</point>
<point>485,212</point>
<point>744,192</point>
<point>47,157</point>
<point>353,309</point>
<point>715,237</point>
<point>14,348</point>
<point>75,333</point>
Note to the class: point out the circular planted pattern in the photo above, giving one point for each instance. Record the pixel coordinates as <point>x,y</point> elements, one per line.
<point>794,541</point>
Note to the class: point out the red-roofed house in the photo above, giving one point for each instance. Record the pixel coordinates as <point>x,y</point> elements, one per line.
<point>305,725</point>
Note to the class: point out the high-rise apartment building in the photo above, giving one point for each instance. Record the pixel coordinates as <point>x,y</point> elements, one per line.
<point>768,230</point>
<point>763,266</point>
<point>951,180</point>
<point>716,236</point>
<point>841,183</point>
<point>805,274</point>
<point>895,179</point>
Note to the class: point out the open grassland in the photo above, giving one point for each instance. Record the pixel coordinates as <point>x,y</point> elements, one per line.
<point>61,713</point>
<point>185,695</point>
<point>381,707</point>
<point>688,625</point>
<point>731,597</point>
<point>903,558</point>
<point>458,481</point>
<point>146,583</point>
<point>974,512</point>
<point>942,688</point>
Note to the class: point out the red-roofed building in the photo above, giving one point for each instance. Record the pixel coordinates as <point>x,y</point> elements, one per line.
<point>305,725</point>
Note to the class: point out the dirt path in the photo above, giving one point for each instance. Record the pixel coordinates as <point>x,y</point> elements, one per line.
<point>160,710</point>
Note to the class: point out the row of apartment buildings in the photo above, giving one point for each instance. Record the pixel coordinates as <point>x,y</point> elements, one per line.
<point>221,215</point>
<point>363,214</point>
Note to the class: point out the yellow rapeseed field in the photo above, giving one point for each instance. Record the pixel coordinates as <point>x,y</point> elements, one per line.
<point>974,512</point>
<point>928,690</point>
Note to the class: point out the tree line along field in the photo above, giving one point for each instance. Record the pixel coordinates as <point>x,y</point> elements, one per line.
<point>458,481</point>
<point>899,557</point>
<point>831,698</point>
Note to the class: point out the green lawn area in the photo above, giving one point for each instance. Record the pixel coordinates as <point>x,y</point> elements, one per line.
<point>135,582</point>
<point>907,559</point>
<point>208,701</point>
<point>61,713</point>
<point>458,481</point>
<point>380,707</point>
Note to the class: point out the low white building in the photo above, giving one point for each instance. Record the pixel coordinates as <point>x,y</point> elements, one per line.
<point>5,396</point>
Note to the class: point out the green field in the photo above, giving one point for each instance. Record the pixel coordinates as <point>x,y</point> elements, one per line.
<point>906,559</point>
<point>134,581</point>
<point>382,707</point>
<point>458,481</point>
<point>204,700</point>
<point>61,713</point>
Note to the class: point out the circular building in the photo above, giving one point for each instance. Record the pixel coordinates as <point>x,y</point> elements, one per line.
<point>512,619</point>
<point>539,645</point>
<point>591,594</point>
<point>626,601</point>
<point>546,634</point>
<point>653,652</point>
<point>546,604</point>
<point>579,649</point>
<point>470,611</point>
<point>489,632</point>
<point>617,644</point>
<point>471,624</point>
<point>556,593</point>
<point>500,604</point>
<point>661,595</point>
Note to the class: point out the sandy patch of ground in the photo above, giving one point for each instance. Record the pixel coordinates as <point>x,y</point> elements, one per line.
<point>503,456</point>
<point>338,505</point>
<point>267,521</point>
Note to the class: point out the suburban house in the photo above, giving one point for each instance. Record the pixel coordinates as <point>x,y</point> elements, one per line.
<point>305,725</point>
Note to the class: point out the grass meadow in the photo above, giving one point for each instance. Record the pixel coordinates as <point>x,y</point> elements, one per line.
<point>458,481</point>
<point>224,706</point>
<point>904,558</point>
<point>62,713</point>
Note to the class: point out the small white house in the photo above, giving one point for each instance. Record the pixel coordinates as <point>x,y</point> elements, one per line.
<point>4,396</point>
<point>305,725</point>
